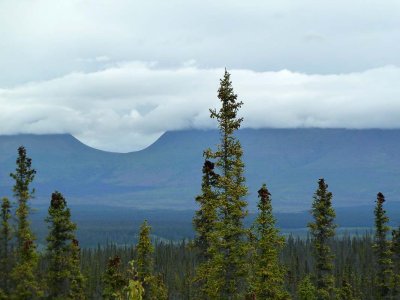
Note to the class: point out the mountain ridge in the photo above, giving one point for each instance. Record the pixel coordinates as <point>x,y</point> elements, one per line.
<point>356,163</point>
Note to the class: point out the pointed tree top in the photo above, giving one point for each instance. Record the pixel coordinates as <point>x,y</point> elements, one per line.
<point>321,182</point>
<point>263,193</point>
<point>57,200</point>
<point>380,197</point>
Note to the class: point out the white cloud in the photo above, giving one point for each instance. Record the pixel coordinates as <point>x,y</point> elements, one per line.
<point>43,39</point>
<point>117,74</point>
<point>127,106</point>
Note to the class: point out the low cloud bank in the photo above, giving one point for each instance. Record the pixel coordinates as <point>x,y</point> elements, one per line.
<point>127,106</point>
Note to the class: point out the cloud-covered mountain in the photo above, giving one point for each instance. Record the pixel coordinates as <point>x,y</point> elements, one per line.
<point>128,106</point>
<point>356,164</point>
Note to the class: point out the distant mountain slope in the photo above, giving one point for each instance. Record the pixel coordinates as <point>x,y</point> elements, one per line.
<point>356,164</point>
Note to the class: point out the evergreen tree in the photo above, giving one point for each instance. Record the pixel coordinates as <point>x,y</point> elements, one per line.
<point>205,224</point>
<point>64,280</point>
<point>322,231</point>
<point>228,249</point>
<point>24,273</point>
<point>396,262</point>
<point>77,280</point>
<point>306,290</point>
<point>269,276</point>
<point>145,260</point>
<point>134,289</point>
<point>114,283</point>
<point>382,250</point>
<point>5,238</point>
<point>206,217</point>
<point>153,287</point>
<point>346,292</point>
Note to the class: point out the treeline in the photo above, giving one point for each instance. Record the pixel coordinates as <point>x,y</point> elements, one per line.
<point>355,270</point>
<point>226,259</point>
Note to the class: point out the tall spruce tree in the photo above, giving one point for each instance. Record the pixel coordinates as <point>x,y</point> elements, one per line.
<point>322,231</point>
<point>5,255</point>
<point>382,250</point>
<point>144,261</point>
<point>229,247</point>
<point>154,288</point>
<point>114,283</point>
<point>64,280</point>
<point>206,217</point>
<point>24,273</point>
<point>269,275</point>
<point>204,223</point>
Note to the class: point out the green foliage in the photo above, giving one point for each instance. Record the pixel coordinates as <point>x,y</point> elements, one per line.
<point>114,283</point>
<point>5,251</point>
<point>306,289</point>
<point>177,260</point>
<point>157,287</point>
<point>382,250</point>
<point>3,295</point>
<point>153,287</point>
<point>269,275</point>
<point>64,280</point>
<point>204,222</point>
<point>322,230</point>
<point>226,269</point>
<point>77,280</point>
<point>346,292</point>
<point>140,283</point>
<point>134,289</point>
<point>24,273</point>
<point>396,262</point>
<point>205,218</point>
<point>145,253</point>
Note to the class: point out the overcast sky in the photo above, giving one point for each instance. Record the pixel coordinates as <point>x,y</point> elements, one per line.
<point>117,74</point>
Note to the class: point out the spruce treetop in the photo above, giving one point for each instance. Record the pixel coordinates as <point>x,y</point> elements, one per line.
<point>24,175</point>
<point>382,249</point>
<point>265,220</point>
<point>114,282</point>
<point>60,225</point>
<point>227,116</point>
<point>322,230</point>
<point>323,212</point>
<point>268,276</point>
<point>380,213</point>
<point>145,252</point>
<point>64,278</point>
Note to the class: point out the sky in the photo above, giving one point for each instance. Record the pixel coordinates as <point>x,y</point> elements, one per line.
<point>118,74</point>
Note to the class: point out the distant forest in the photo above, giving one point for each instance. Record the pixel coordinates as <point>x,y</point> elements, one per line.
<point>226,259</point>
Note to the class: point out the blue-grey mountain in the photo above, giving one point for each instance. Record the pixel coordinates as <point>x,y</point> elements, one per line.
<point>355,163</point>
